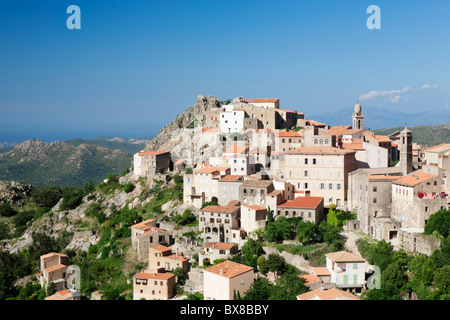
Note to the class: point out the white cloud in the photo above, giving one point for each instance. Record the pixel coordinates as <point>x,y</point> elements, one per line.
<point>428,86</point>
<point>394,95</point>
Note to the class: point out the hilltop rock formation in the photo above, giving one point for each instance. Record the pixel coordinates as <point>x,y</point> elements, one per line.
<point>164,140</point>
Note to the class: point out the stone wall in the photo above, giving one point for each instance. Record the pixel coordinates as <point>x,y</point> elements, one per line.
<point>416,242</point>
<point>293,259</point>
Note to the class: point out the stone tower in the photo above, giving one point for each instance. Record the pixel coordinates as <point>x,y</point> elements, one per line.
<point>358,117</point>
<point>405,148</point>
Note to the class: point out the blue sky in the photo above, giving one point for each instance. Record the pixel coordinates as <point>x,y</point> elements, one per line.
<point>135,65</point>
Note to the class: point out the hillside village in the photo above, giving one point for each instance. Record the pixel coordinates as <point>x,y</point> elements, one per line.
<point>245,168</point>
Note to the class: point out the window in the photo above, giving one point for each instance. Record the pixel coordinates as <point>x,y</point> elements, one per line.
<point>355,266</point>
<point>374,189</point>
<point>374,200</point>
<point>330,186</point>
<point>306,160</point>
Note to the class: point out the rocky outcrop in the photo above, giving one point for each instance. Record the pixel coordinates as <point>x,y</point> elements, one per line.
<point>202,105</point>
<point>14,192</point>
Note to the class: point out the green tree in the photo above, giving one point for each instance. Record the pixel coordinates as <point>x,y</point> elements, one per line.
<point>306,231</point>
<point>275,263</point>
<point>262,264</point>
<point>47,196</point>
<point>259,290</point>
<point>6,210</point>
<point>439,221</point>
<point>4,231</point>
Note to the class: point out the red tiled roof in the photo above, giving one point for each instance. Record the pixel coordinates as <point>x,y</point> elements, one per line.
<point>232,178</point>
<point>159,276</point>
<point>55,267</point>
<point>144,225</point>
<point>51,254</point>
<point>261,100</point>
<point>236,149</point>
<point>254,207</point>
<point>344,256</point>
<point>338,130</point>
<point>414,178</point>
<point>302,202</point>
<point>330,294</point>
<point>289,134</point>
<point>379,138</point>
<point>439,148</point>
<point>211,169</point>
<point>151,153</point>
<point>220,245</point>
<point>321,271</point>
<point>310,278</point>
<point>160,248</point>
<point>229,269</point>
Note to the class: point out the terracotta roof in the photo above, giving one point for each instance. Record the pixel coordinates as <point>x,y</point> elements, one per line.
<point>356,144</point>
<point>414,178</point>
<point>177,257</point>
<point>232,178</point>
<point>179,161</point>
<point>254,207</point>
<point>229,269</point>
<point>210,130</point>
<point>319,150</point>
<point>382,177</point>
<point>236,149</point>
<point>321,271</point>
<point>55,267</point>
<point>275,192</point>
<point>338,130</point>
<point>439,148</point>
<point>261,100</point>
<point>220,245</point>
<point>60,295</point>
<point>256,183</point>
<point>310,278</point>
<point>51,254</point>
<point>379,138</point>
<point>151,153</point>
<point>289,134</point>
<point>144,225</point>
<point>302,202</point>
<point>211,169</point>
<point>231,207</point>
<point>344,256</point>
<point>160,248</point>
<point>159,276</point>
<point>330,294</point>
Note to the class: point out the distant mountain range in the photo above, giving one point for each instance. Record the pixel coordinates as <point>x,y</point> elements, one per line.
<point>60,163</point>
<point>377,118</point>
<point>424,135</point>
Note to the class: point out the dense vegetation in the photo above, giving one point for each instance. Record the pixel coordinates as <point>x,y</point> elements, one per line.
<point>404,275</point>
<point>43,164</point>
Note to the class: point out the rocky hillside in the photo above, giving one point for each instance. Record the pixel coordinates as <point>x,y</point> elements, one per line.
<point>41,164</point>
<point>165,138</point>
<point>424,135</point>
<point>14,192</point>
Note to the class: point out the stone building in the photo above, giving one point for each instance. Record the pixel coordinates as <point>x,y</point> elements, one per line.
<point>202,185</point>
<point>151,285</point>
<point>220,223</point>
<point>322,171</point>
<point>145,234</point>
<point>222,280</point>
<point>253,217</point>
<point>149,163</point>
<point>254,192</point>
<point>217,250</point>
<point>370,194</point>
<point>53,269</point>
<point>308,208</point>
<point>228,188</point>
<point>160,256</point>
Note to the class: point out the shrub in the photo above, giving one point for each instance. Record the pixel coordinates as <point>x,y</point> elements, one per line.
<point>128,187</point>
<point>47,196</point>
<point>6,210</point>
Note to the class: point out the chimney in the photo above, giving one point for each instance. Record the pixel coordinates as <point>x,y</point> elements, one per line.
<point>221,271</point>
